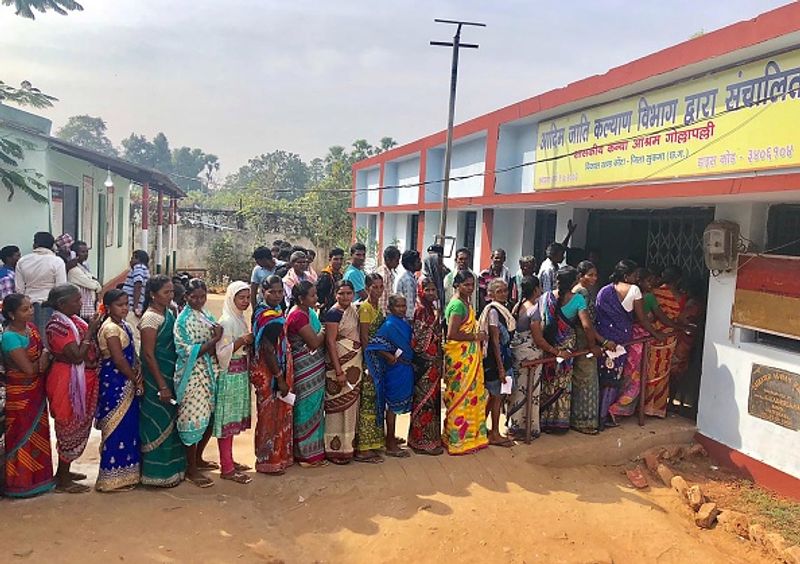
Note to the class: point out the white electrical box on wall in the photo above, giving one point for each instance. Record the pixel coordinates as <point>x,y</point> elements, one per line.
<point>721,245</point>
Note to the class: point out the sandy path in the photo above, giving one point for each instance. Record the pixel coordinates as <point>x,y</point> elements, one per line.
<point>524,504</point>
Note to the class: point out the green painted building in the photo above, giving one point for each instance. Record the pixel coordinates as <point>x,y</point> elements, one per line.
<point>79,199</point>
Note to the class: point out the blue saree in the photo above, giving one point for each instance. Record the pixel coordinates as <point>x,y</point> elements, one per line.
<point>117,418</point>
<point>394,383</point>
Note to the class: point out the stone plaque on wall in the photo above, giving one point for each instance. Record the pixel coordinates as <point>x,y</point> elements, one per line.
<point>775,396</point>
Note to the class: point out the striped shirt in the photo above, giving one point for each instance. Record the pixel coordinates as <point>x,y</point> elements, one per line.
<point>138,273</point>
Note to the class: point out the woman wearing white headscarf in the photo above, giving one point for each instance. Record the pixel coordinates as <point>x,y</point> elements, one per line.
<point>232,414</point>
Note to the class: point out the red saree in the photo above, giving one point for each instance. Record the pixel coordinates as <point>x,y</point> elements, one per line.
<point>72,429</point>
<point>29,465</point>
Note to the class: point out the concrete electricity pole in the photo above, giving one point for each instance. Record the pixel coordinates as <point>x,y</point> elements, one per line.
<point>456,45</point>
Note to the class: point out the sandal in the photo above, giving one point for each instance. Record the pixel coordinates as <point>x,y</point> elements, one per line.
<point>367,459</point>
<point>72,488</point>
<point>207,465</point>
<point>241,467</point>
<point>201,481</point>
<point>399,453</point>
<point>339,462</point>
<point>77,476</point>
<point>318,464</point>
<point>435,452</point>
<point>237,477</point>
<point>505,442</point>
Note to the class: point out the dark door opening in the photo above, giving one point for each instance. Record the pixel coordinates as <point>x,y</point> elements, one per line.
<point>658,238</point>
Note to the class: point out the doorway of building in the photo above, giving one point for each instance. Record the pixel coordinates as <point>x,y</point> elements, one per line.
<point>658,238</point>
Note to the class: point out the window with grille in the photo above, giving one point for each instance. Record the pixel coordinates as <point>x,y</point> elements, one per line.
<point>470,225</point>
<point>783,230</point>
<point>413,232</point>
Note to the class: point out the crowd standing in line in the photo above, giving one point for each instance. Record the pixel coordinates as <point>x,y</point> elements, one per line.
<point>333,358</point>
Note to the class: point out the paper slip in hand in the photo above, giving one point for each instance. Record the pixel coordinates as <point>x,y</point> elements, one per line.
<point>352,387</point>
<point>559,359</point>
<point>506,388</point>
<point>619,351</point>
<point>288,398</point>
<point>398,353</point>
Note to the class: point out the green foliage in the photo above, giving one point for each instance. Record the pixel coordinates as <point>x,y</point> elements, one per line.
<point>276,175</point>
<point>25,8</point>
<point>12,151</point>
<point>184,165</point>
<point>88,132</point>
<point>227,262</point>
<point>25,95</point>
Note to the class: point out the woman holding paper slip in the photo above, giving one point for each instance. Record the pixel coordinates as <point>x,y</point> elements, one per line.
<point>272,377</point>
<point>585,387</point>
<point>617,305</point>
<point>306,341</point>
<point>498,370</point>
<point>232,412</point>
<point>561,310</point>
<point>343,377</point>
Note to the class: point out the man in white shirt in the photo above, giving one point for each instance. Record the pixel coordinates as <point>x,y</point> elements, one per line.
<point>80,276</point>
<point>39,272</point>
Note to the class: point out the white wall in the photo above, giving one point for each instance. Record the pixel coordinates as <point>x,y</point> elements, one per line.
<point>507,234</point>
<point>408,173</point>
<point>727,363</point>
<point>469,157</point>
<point>516,145</point>
<point>365,180</point>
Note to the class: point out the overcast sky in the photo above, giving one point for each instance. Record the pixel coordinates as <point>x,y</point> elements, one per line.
<point>243,77</point>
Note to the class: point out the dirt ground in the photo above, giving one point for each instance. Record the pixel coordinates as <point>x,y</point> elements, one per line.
<point>561,499</point>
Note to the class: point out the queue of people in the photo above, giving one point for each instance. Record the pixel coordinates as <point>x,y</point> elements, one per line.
<point>333,357</point>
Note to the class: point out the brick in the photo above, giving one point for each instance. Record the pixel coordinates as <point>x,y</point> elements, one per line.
<point>665,474</point>
<point>673,453</point>
<point>652,458</point>
<point>695,497</point>
<point>706,515</point>
<point>696,450</point>
<point>735,522</point>
<point>680,486</point>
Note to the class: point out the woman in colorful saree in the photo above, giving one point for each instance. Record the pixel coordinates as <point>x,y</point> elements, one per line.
<point>118,402</point>
<point>232,406</point>
<point>196,373</point>
<point>659,359</point>
<point>28,462</point>
<point>272,377</point>
<point>369,435</point>
<point>71,381</point>
<point>561,311</point>
<point>425,429</point>
<point>585,387</point>
<point>464,395</point>
<point>498,363</point>
<point>343,376</point>
<point>306,341</point>
<point>618,305</point>
<point>389,355</point>
<point>629,387</point>
<point>163,456</point>
<point>524,348</point>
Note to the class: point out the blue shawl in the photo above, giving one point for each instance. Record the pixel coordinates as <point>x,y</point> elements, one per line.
<point>394,383</point>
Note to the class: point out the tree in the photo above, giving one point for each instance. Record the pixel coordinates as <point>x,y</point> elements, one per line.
<point>25,8</point>
<point>153,154</point>
<point>278,175</point>
<point>386,143</point>
<point>12,150</point>
<point>187,164</point>
<point>88,132</point>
